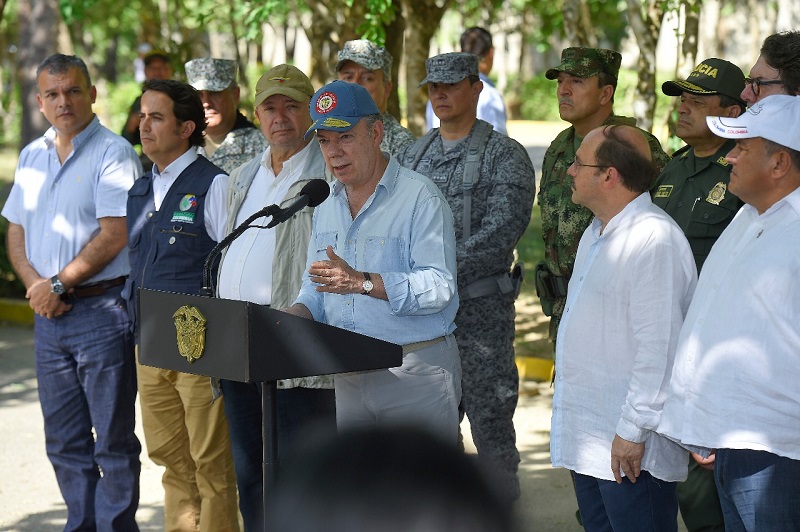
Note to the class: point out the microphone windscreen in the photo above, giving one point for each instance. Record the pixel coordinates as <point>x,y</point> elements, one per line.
<point>317,191</point>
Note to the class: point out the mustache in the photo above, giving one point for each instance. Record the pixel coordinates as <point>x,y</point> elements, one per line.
<point>565,100</point>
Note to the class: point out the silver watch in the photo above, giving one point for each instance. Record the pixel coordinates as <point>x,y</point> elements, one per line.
<point>56,286</point>
<point>367,284</point>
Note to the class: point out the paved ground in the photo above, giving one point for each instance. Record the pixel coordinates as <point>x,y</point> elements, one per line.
<point>30,500</point>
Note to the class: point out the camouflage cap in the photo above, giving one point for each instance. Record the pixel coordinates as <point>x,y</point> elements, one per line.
<point>711,76</point>
<point>587,62</point>
<point>367,54</point>
<point>209,74</point>
<point>287,80</point>
<point>450,68</point>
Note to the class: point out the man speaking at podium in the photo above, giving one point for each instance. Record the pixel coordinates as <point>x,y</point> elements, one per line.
<point>382,262</point>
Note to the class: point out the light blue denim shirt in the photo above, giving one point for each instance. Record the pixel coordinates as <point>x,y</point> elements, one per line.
<point>404,232</point>
<point>59,206</point>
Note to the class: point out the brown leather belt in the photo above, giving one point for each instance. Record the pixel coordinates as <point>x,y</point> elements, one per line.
<point>418,346</point>
<point>97,289</point>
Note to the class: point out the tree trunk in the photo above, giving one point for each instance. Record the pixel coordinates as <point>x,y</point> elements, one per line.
<point>37,20</point>
<point>394,44</point>
<point>645,19</point>
<point>687,56</point>
<point>422,20</point>
<point>578,25</point>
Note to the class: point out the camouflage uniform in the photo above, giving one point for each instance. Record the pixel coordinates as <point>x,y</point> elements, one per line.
<point>563,222</point>
<point>395,136</point>
<point>244,141</point>
<point>373,57</point>
<point>502,200</point>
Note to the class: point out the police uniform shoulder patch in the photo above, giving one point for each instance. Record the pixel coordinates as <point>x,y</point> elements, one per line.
<point>722,162</point>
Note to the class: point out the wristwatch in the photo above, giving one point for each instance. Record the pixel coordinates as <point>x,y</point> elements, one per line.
<point>56,286</point>
<point>367,284</point>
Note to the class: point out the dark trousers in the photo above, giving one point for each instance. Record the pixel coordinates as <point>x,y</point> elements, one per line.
<point>758,490</point>
<point>301,412</point>
<point>648,505</point>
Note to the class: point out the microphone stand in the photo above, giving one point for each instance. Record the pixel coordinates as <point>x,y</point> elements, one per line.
<point>209,288</point>
<point>269,389</point>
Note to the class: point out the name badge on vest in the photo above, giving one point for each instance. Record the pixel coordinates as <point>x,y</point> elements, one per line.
<point>189,201</point>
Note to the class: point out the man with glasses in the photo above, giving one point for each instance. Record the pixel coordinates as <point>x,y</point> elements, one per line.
<point>777,70</point>
<point>587,81</point>
<point>633,280</point>
<point>693,190</point>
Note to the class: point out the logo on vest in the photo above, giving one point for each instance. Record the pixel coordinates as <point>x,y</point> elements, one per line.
<point>187,202</point>
<point>182,217</point>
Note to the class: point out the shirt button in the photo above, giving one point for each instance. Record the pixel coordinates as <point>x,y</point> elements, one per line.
<point>172,240</point>
<point>680,204</point>
<point>149,214</point>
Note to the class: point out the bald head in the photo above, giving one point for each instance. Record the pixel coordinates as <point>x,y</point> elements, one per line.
<point>626,149</point>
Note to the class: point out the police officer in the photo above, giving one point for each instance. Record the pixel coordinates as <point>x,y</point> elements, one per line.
<point>489,182</point>
<point>587,81</point>
<point>364,62</point>
<point>693,190</point>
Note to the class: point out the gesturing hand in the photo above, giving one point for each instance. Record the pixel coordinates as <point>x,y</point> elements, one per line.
<point>335,275</point>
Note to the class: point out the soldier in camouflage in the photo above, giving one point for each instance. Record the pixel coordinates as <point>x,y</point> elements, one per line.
<point>587,80</point>
<point>501,199</point>
<point>231,139</point>
<point>364,62</point>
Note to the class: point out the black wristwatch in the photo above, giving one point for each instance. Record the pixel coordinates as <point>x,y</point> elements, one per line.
<point>367,284</point>
<point>56,286</point>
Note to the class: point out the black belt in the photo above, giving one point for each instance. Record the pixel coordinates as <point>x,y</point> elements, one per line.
<point>97,289</point>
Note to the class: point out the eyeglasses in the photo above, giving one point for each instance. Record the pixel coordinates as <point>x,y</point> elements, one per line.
<point>577,162</point>
<point>757,83</point>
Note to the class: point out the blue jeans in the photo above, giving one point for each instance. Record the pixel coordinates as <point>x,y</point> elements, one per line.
<point>87,379</point>
<point>299,410</point>
<point>650,504</point>
<point>758,490</point>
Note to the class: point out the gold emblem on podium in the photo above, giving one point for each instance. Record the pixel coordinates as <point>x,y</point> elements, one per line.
<point>190,326</point>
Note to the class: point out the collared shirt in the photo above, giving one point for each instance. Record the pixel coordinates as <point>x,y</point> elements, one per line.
<point>737,367</point>
<point>625,305</point>
<point>242,143</point>
<point>58,206</point>
<point>491,107</point>
<point>246,272</point>
<point>563,222</point>
<point>215,211</point>
<point>404,232</point>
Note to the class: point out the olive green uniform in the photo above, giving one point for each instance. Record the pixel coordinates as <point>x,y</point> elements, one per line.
<point>563,222</point>
<point>694,192</point>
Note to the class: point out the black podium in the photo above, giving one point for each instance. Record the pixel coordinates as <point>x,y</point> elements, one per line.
<point>246,342</point>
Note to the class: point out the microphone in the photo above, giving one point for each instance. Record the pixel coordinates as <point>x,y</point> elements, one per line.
<point>312,194</point>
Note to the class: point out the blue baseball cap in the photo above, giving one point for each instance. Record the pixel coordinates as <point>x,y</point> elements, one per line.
<point>339,105</point>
